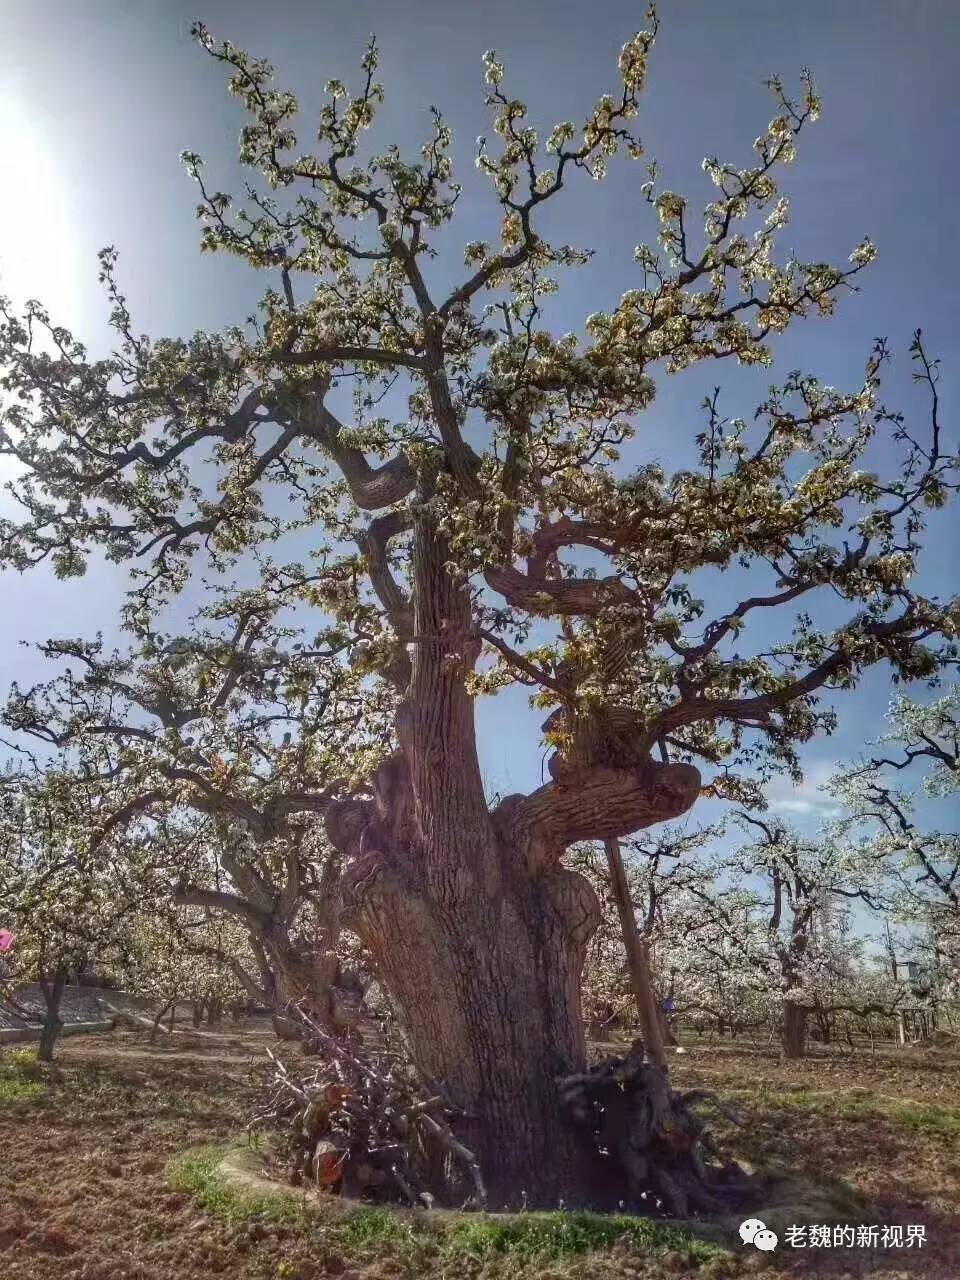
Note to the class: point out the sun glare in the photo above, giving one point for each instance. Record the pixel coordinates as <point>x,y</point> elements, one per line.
<point>38,243</point>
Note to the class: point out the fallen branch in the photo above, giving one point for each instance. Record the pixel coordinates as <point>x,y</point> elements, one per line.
<point>359,1121</point>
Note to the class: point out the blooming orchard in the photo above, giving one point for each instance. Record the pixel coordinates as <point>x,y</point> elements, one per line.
<point>435,485</point>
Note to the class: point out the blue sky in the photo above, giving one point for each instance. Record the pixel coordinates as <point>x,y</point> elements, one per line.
<point>97,101</point>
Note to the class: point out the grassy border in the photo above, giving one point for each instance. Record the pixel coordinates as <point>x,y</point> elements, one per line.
<point>224,1181</point>
<point>913,1115</point>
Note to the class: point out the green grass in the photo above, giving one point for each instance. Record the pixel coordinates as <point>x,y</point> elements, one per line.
<point>552,1236</point>
<point>369,1231</point>
<point>199,1174</point>
<point>22,1077</point>
<point>916,1117</point>
<point>925,1118</point>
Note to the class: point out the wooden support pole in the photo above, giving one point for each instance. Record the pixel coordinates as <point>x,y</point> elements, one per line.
<point>638,962</point>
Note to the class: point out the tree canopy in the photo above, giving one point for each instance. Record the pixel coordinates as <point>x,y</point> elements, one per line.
<point>412,472</point>
<point>510,435</point>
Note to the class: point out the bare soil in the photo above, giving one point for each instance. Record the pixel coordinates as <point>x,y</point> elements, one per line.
<point>85,1190</point>
<point>886,1123</point>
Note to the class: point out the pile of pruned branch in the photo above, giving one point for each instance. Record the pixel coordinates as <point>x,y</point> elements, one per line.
<point>654,1146</point>
<point>356,1120</point>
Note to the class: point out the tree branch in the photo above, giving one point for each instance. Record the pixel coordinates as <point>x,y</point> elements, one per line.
<point>595,803</point>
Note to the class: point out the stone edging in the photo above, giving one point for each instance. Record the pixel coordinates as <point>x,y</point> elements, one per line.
<point>24,1035</point>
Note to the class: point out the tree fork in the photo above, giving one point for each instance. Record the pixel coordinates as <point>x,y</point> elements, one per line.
<point>477,932</point>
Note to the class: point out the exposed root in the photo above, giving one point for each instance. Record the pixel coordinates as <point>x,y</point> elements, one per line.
<point>653,1144</point>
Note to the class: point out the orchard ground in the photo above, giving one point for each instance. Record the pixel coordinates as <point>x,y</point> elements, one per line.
<point>109,1160</point>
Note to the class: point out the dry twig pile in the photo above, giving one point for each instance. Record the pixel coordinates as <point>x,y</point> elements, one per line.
<point>358,1121</point>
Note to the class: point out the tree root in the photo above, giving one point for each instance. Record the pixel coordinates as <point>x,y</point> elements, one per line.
<point>653,1146</point>
<point>359,1122</point>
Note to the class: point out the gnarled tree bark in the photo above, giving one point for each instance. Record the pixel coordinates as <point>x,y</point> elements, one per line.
<point>477,931</point>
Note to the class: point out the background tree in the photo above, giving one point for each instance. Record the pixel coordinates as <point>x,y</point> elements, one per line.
<point>218,747</point>
<point>880,795</point>
<point>707,911</point>
<point>780,902</point>
<point>471,458</point>
<point>179,957</point>
<point>70,910</point>
<point>657,868</point>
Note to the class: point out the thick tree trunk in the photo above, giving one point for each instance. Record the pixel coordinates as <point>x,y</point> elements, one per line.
<point>52,1024</point>
<point>481,948</point>
<point>476,930</point>
<point>489,1001</point>
<point>794,1029</point>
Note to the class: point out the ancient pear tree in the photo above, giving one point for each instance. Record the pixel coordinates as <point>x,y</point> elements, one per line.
<point>443,475</point>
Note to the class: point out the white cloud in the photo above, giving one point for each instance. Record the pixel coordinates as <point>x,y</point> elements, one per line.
<point>804,798</point>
